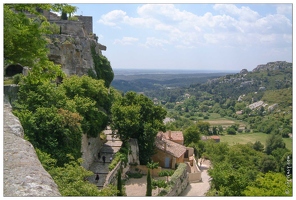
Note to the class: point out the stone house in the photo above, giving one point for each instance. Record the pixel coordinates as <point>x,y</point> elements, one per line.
<point>171,151</point>
<point>169,148</point>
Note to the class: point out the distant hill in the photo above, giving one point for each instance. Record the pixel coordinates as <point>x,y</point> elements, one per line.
<point>153,80</point>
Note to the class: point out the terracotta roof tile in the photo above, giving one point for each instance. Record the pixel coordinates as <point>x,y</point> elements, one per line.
<point>175,135</point>
<point>172,148</point>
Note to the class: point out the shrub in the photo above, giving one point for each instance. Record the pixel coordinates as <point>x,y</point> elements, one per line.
<point>17,78</point>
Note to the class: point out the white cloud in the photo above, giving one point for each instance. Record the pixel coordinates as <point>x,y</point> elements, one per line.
<point>112,18</point>
<point>165,24</point>
<point>243,13</point>
<point>154,42</point>
<point>165,10</point>
<point>116,17</point>
<point>126,41</point>
<point>284,9</point>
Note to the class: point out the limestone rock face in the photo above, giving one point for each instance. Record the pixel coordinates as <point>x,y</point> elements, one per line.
<point>72,53</point>
<point>273,66</point>
<point>22,170</point>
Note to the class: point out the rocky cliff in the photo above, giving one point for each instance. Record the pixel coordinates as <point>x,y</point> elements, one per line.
<point>23,174</point>
<point>71,45</point>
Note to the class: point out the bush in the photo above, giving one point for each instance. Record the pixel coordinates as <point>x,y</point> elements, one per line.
<point>134,175</point>
<point>17,78</point>
<point>73,18</point>
<point>231,131</point>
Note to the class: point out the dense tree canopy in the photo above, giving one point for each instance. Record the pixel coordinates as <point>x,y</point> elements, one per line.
<point>55,117</point>
<point>270,184</point>
<point>135,116</point>
<point>191,135</point>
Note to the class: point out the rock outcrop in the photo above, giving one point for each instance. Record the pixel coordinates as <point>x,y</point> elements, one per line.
<point>23,173</point>
<point>71,46</point>
<point>243,71</point>
<point>273,66</point>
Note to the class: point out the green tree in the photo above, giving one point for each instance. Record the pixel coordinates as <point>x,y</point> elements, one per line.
<point>54,117</point>
<point>135,116</point>
<point>273,142</point>
<point>233,169</point>
<point>152,165</point>
<point>230,131</point>
<point>270,184</point>
<point>54,131</point>
<point>258,146</point>
<point>119,184</point>
<point>149,184</point>
<point>204,127</point>
<point>66,10</point>
<point>268,164</point>
<point>91,99</point>
<point>220,128</point>
<point>191,134</point>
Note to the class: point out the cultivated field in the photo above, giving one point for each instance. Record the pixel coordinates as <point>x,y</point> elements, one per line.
<point>241,138</point>
<point>224,122</point>
<point>244,138</point>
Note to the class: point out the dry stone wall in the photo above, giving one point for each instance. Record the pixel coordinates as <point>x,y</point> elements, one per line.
<point>23,173</point>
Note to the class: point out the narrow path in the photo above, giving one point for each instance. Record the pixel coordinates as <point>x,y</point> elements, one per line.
<point>108,150</point>
<point>199,189</point>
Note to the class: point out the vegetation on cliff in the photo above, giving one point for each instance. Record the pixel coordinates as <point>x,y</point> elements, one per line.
<point>135,116</point>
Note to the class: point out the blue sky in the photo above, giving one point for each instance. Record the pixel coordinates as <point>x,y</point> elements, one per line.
<point>196,36</point>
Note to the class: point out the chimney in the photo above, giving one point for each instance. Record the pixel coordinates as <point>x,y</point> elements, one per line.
<point>170,134</point>
<point>165,146</point>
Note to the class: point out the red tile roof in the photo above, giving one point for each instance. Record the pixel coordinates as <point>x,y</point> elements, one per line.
<point>215,137</point>
<point>172,148</point>
<point>175,135</point>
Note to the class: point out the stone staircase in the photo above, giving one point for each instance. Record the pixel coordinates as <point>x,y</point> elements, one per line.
<point>108,150</point>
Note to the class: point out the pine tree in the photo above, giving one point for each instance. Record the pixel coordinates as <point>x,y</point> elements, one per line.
<point>149,184</point>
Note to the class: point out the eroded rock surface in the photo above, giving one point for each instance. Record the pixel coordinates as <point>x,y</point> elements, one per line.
<point>23,174</point>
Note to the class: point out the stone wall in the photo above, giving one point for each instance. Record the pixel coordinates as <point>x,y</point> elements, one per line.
<point>194,174</point>
<point>112,176</point>
<point>23,174</point>
<point>89,149</point>
<point>10,93</point>
<point>178,183</point>
<point>68,27</point>
<point>87,21</point>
